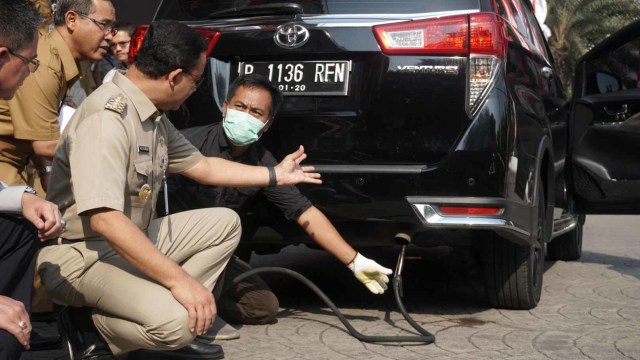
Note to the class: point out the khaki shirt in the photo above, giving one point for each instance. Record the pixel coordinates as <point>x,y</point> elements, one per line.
<point>32,114</point>
<point>44,8</point>
<point>113,154</point>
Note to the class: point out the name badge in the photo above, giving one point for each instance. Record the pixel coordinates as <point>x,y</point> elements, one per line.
<point>143,149</point>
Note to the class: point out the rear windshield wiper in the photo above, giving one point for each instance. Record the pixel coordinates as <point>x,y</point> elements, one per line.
<point>257,10</point>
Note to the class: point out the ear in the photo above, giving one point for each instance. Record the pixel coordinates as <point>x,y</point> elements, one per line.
<point>224,109</point>
<point>71,19</point>
<point>172,77</point>
<point>4,55</point>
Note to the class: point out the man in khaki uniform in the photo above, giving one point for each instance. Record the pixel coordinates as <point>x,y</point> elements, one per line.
<point>149,280</point>
<point>29,122</point>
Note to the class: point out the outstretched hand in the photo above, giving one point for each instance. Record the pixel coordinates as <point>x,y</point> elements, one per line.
<point>370,273</point>
<point>289,171</point>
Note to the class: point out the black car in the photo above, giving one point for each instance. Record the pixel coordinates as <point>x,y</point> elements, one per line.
<point>437,119</point>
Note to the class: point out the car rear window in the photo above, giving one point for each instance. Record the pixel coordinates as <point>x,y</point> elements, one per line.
<point>203,9</point>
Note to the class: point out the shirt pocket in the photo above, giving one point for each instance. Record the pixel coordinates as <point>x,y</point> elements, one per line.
<point>141,191</point>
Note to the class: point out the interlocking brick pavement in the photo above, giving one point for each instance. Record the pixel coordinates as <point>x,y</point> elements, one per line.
<point>590,309</point>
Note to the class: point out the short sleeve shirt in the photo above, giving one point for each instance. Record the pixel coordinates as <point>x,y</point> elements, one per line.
<point>114,154</point>
<point>32,114</point>
<point>186,194</point>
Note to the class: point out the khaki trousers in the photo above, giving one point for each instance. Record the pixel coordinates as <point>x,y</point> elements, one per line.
<point>132,311</point>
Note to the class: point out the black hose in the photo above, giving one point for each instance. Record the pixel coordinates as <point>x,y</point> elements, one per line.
<point>426,337</point>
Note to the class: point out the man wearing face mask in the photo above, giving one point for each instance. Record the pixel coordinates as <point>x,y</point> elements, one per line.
<point>249,110</point>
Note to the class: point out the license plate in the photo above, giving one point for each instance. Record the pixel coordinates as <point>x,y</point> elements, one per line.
<point>304,77</point>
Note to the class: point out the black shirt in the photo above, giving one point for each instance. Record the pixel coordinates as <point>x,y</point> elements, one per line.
<point>186,194</point>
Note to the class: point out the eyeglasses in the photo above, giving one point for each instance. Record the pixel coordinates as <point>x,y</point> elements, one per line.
<point>196,80</point>
<point>32,63</point>
<point>107,28</point>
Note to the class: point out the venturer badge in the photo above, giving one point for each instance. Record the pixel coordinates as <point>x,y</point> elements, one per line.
<point>144,193</point>
<point>117,104</point>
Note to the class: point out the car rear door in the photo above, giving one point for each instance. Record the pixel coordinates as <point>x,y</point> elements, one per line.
<point>604,172</point>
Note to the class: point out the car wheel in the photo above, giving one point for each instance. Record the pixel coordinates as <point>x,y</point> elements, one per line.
<point>567,246</point>
<point>512,272</point>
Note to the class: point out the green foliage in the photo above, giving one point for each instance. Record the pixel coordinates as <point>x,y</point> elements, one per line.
<point>578,25</point>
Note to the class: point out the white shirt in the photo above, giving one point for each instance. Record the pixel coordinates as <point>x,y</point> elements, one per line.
<point>11,198</point>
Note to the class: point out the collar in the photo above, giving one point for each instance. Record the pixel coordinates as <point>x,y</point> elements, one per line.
<point>69,65</point>
<point>225,145</point>
<point>223,142</point>
<point>145,108</point>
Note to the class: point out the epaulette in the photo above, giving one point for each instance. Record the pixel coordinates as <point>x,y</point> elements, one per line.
<point>117,104</point>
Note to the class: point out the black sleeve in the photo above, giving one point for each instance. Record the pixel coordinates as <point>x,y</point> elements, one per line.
<point>186,194</point>
<point>286,198</point>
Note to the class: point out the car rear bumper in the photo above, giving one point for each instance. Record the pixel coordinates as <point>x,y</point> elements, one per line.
<point>513,221</point>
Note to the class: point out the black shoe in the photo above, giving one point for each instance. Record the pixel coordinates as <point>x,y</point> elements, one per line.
<point>83,339</point>
<point>195,350</point>
<point>38,342</point>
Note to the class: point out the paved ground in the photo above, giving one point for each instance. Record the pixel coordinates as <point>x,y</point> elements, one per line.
<point>589,309</point>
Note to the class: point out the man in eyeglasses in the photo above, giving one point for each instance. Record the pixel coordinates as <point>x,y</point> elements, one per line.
<point>29,128</point>
<point>133,281</point>
<point>23,215</point>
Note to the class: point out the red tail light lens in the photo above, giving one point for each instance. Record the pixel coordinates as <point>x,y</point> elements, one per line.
<point>486,35</point>
<point>479,33</point>
<point>447,36</point>
<point>136,41</point>
<point>211,36</point>
<point>463,210</point>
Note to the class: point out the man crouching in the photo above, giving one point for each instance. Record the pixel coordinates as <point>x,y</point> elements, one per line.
<point>132,282</point>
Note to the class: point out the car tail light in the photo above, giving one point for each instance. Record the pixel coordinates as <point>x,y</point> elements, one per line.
<point>464,210</point>
<point>211,36</point>
<point>446,36</point>
<point>488,48</point>
<point>479,36</point>
<point>136,41</point>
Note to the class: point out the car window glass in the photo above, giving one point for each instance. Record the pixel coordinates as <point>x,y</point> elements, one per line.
<point>536,33</point>
<point>614,71</point>
<point>200,9</point>
<point>521,21</point>
<point>504,10</point>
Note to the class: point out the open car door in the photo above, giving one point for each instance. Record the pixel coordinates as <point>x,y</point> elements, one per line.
<point>604,135</point>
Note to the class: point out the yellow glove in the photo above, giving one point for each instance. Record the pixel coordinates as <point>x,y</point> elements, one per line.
<point>370,273</point>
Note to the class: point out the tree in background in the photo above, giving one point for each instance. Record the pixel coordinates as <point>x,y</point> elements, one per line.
<point>578,25</point>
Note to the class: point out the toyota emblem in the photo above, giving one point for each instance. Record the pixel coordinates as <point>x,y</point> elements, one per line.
<point>291,35</point>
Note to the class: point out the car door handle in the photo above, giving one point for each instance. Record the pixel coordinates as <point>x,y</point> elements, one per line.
<point>547,72</point>
<point>619,113</point>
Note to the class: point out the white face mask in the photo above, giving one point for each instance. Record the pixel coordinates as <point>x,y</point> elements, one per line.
<point>241,128</point>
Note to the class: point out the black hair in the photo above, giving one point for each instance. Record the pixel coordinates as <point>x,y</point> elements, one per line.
<point>169,45</point>
<point>84,7</point>
<point>261,82</point>
<point>129,28</point>
<point>19,22</point>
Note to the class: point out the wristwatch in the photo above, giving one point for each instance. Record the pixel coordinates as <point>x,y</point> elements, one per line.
<point>45,170</point>
<point>30,190</point>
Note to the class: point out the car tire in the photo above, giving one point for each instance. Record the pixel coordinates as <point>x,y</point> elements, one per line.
<point>567,247</point>
<point>513,273</point>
